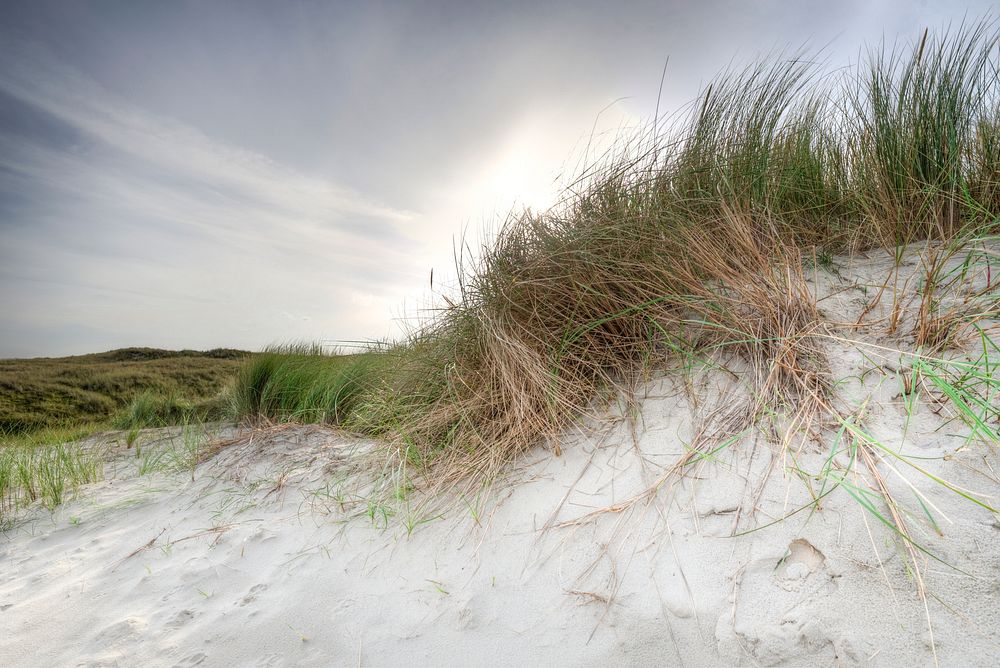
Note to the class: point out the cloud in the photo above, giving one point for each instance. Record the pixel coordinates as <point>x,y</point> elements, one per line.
<point>185,174</point>
<point>110,211</point>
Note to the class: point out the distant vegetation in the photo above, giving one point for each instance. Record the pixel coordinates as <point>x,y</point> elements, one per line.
<point>123,388</point>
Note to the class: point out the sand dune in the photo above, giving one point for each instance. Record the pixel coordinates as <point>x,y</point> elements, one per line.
<point>263,555</point>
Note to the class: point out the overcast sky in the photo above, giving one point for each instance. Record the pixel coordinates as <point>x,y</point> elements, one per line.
<point>204,174</point>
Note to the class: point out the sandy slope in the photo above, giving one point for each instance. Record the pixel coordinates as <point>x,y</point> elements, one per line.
<point>255,562</point>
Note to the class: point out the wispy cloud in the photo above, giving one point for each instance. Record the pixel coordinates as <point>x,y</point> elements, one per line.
<point>143,208</point>
<point>199,174</point>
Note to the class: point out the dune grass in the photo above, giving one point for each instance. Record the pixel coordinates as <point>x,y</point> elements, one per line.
<point>155,409</point>
<point>302,383</point>
<point>45,466</point>
<point>690,237</point>
<point>687,244</point>
<point>44,473</point>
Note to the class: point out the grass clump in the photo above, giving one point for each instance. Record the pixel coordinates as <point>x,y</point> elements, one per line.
<point>688,240</point>
<point>955,301</point>
<point>45,474</point>
<point>301,383</point>
<point>925,119</point>
<point>152,409</point>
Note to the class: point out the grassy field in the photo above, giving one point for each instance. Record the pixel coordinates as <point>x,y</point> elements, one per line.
<point>131,386</point>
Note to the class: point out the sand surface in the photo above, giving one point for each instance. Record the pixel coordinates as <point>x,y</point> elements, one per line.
<point>263,557</point>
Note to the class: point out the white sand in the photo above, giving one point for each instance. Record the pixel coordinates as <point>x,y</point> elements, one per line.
<point>254,563</point>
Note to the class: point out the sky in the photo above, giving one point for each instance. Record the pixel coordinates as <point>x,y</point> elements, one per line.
<point>239,174</point>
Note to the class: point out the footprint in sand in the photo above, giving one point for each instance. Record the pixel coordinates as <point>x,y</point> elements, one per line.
<point>252,594</point>
<point>180,619</point>
<point>119,631</point>
<point>802,560</point>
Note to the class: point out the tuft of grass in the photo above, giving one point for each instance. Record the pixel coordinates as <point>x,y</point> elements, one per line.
<point>43,473</point>
<point>687,242</point>
<point>301,383</point>
<point>151,409</point>
<point>923,119</point>
<point>954,301</point>
<point>969,388</point>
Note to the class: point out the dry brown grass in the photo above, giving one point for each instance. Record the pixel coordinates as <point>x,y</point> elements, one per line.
<point>956,294</point>
<point>550,319</point>
<point>689,241</point>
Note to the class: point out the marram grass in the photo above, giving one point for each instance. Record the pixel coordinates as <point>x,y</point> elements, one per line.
<point>691,238</point>
<point>47,474</point>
